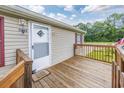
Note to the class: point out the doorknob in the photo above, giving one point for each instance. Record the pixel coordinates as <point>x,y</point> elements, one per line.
<point>32,46</point>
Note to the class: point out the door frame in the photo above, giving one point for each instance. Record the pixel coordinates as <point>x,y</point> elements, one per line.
<point>30,25</point>
<point>2,40</point>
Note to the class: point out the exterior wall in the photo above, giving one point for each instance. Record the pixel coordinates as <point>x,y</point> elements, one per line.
<point>62,44</point>
<point>13,39</point>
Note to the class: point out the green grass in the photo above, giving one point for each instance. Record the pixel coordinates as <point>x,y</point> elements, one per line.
<point>107,43</point>
<point>103,55</point>
<point>106,54</point>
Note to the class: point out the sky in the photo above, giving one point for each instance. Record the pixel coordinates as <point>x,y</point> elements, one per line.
<point>74,14</point>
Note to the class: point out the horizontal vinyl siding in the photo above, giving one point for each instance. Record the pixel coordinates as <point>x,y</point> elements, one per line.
<point>62,44</point>
<point>13,39</point>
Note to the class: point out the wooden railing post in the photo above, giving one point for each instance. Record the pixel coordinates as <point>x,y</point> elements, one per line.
<point>28,67</point>
<point>118,71</point>
<point>122,80</point>
<point>28,74</point>
<point>74,49</point>
<point>113,75</point>
<point>118,76</point>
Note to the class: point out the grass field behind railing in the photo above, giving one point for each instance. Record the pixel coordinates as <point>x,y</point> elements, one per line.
<point>106,55</point>
<point>103,43</point>
<point>103,55</point>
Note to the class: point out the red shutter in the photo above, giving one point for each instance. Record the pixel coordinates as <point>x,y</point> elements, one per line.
<point>1,41</point>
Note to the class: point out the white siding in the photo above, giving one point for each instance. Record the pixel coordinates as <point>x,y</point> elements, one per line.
<point>62,44</point>
<point>13,39</point>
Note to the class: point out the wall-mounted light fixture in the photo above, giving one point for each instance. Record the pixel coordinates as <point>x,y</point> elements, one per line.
<point>22,26</point>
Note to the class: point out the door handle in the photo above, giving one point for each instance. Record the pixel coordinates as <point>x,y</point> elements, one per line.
<point>32,46</point>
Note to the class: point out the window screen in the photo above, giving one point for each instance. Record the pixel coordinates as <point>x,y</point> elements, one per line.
<point>41,50</point>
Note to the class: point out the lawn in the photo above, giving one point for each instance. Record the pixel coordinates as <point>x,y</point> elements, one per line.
<point>106,55</point>
<point>103,43</point>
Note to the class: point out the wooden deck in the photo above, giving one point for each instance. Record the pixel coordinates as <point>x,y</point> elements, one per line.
<point>5,69</point>
<point>77,72</point>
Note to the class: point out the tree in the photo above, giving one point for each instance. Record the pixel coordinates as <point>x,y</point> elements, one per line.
<point>108,30</point>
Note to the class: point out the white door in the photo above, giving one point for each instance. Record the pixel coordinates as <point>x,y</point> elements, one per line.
<point>40,46</point>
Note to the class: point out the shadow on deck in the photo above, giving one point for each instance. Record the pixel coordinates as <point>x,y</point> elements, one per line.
<point>77,72</point>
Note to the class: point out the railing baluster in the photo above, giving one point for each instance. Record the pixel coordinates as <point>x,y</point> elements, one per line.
<point>83,50</point>
<point>108,54</point>
<point>105,53</point>
<point>102,53</point>
<point>95,53</point>
<point>111,54</point>
<point>98,52</point>
<point>91,51</point>
<point>88,50</point>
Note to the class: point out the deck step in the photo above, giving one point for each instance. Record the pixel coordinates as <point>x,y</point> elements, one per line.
<point>40,74</point>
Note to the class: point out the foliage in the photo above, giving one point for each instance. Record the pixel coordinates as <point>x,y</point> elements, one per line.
<point>109,30</point>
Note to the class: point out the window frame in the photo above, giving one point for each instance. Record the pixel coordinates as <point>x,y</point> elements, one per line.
<point>78,38</point>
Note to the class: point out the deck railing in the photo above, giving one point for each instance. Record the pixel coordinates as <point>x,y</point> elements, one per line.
<point>21,75</point>
<point>98,52</point>
<point>118,69</point>
<point>107,53</point>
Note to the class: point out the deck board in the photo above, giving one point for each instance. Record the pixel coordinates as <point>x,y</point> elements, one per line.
<point>77,72</point>
<point>5,69</point>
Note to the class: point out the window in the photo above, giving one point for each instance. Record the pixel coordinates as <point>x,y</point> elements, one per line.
<point>78,38</point>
